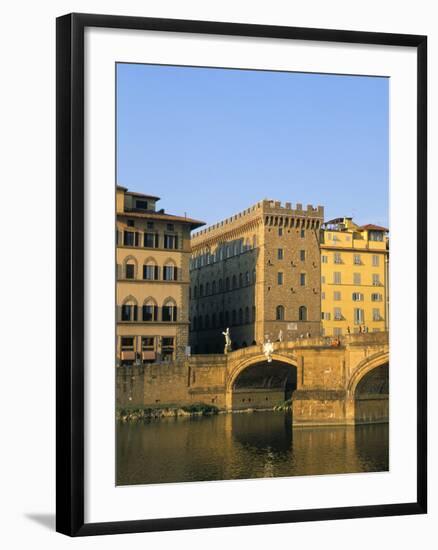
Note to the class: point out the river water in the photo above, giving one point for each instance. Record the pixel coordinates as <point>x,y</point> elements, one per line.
<point>243,446</point>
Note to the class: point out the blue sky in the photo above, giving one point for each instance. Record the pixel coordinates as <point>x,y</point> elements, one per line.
<point>211,142</point>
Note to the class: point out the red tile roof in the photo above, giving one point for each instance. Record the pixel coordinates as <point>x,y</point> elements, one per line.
<point>372,227</point>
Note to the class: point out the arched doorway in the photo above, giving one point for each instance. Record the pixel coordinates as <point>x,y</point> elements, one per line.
<point>371,396</point>
<point>263,385</point>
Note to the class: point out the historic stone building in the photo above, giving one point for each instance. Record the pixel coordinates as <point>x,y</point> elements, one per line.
<point>354,277</point>
<point>258,273</point>
<point>153,251</point>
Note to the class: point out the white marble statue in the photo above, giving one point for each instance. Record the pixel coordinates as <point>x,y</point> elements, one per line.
<point>268,350</point>
<point>227,347</point>
<point>280,336</point>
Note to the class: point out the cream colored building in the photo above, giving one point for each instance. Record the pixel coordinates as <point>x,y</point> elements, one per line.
<point>153,251</point>
<point>257,273</point>
<point>354,277</point>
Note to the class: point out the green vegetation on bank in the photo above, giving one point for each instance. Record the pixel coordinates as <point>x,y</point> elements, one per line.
<point>126,414</point>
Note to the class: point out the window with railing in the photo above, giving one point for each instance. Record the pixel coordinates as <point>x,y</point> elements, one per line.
<point>357,297</point>
<point>376,314</point>
<point>376,279</point>
<point>359,316</point>
<point>337,314</point>
<point>357,259</point>
<point>167,348</point>
<point>337,258</point>
<point>376,297</point>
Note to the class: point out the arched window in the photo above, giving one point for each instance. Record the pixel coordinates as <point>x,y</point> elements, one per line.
<point>221,285</point>
<point>213,287</point>
<point>150,310</point>
<point>201,290</point>
<point>279,313</point>
<point>227,283</point>
<point>207,289</point>
<point>169,310</point>
<point>150,270</point>
<point>130,268</point>
<point>129,309</point>
<point>240,280</point>
<point>234,281</point>
<point>240,316</point>
<point>170,271</point>
<point>302,313</point>
<point>195,291</point>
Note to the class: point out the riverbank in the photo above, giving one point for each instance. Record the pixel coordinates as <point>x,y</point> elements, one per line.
<point>134,414</point>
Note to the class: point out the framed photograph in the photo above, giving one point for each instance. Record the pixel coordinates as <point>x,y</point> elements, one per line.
<point>241,274</point>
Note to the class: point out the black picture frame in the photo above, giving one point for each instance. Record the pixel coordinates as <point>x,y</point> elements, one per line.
<point>70,273</point>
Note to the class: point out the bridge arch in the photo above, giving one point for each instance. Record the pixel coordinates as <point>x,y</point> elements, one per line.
<point>252,382</point>
<point>364,367</point>
<point>369,389</point>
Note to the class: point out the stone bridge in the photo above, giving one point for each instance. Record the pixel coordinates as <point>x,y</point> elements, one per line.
<point>326,381</point>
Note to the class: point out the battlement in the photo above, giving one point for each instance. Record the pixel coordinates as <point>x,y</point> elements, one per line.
<point>259,210</point>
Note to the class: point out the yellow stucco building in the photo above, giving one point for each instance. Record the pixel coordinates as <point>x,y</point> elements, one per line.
<point>153,251</point>
<point>354,277</point>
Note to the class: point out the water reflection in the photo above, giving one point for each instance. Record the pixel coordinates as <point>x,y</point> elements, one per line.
<point>242,446</point>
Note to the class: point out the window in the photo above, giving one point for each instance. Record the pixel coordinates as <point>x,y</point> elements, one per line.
<point>280,253</point>
<point>150,272</point>
<point>240,280</point>
<point>375,260</point>
<point>170,227</point>
<point>150,311</point>
<point>337,331</point>
<point>336,296</point>
<point>302,279</point>
<point>359,316</point>
<point>375,235</point>
<point>247,278</point>
<point>279,313</point>
<point>127,343</point>
<point>131,223</point>
<point>337,278</point>
<point>130,271</point>
<point>129,312</point>
<point>201,290</point>
<point>213,287</point>
<point>323,279</point>
<point>337,258</point>
<point>337,314</point>
<point>128,238</point>
<point>376,314</point>
<point>221,285</point>
<point>280,231</point>
<point>167,347</point>
<point>150,240</point>
<point>357,297</point>
<point>227,283</point>
<point>147,343</point>
<point>302,255</point>
<point>141,205</point>
<point>280,278</point>
<point>376,279</point>
<point>207,288</point>
<point>322,295</point>
<point>302,233</point>
<point>234,281</point>
<point>169,312</point>
<point>170,241</point>
<point>170,273</point>
<point>356,279</point>
<point>325,316</point>
<point>357,260</point>
<point>302,313</point>
<point>150,225</point>
<point>324,259</point>
<point>376,297</point>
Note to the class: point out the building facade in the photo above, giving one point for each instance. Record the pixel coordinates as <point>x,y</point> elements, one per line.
<point>152,294</point>
<point>354,277</point>
<point>257,273</point>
